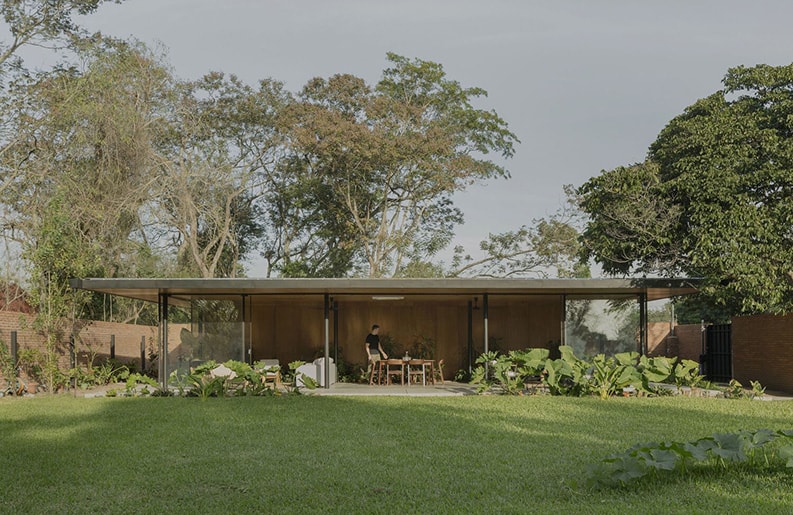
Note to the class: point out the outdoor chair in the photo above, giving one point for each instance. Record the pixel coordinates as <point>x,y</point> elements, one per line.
<point>376,370</point>
<point>395,367</point>
<point>271,372</point>
<point>438,372</point>
<point>417,369</point>
<point>316,371</point>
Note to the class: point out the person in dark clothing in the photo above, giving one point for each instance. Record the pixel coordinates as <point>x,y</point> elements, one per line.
<point>373,349</point>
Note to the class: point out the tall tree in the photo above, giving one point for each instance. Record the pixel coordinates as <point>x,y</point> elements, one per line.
<point>83,169</point>
<point>214,166</point>
<point>391,157</point>
<point>714,199</point>
<point>86,135</point>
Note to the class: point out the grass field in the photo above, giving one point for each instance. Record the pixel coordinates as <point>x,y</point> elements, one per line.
<point>367,455</point>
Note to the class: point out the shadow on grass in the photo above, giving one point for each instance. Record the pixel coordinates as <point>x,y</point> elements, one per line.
<point>361,454</point>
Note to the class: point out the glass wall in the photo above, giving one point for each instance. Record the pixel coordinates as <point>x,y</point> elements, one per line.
<point>602,326</point>
<point>204,329</point>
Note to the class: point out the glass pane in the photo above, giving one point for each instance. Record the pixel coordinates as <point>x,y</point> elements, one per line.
<point>214,330</point>
<point>602,326</point>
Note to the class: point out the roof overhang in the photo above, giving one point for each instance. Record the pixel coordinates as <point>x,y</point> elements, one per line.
<point>150,289</point>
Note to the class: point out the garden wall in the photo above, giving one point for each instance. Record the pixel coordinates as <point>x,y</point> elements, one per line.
<point>686,343</point>
<point>762,350</point>
<point>93,339</point>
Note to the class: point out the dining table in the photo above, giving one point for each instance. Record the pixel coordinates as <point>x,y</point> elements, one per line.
<point>427,370</point>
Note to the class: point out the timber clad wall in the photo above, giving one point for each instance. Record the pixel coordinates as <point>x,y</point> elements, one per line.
<point>295,330</point>
<point>762,350</point>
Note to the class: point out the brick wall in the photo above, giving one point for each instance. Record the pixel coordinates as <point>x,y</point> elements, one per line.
<point>762,350</point>
<point>689,341</point>
<point>685,344</point>
<point>94,338</point>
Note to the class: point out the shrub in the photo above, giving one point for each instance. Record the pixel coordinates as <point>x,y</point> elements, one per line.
<point>607,376</point>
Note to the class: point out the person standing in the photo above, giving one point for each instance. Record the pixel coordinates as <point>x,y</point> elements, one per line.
<point>373,348</point>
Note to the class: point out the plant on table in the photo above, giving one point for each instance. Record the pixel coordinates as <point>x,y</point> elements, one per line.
<point>423,347</point>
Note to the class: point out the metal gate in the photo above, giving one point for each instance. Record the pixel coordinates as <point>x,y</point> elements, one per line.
<point>718,352</point>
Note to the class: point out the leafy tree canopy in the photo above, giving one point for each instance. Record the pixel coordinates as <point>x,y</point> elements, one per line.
<point>382,162</point>
<point>714,199</point>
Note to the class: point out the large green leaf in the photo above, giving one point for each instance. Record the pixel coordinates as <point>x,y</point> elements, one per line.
<point>786,452</point>
<point>729,446</point>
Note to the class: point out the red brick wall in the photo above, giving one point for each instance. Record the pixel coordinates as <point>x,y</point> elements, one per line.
<point>657,333</point>
<point>762,350</point>
<point>689,341</point>
<point>685,344</point>
<point>94,338</point>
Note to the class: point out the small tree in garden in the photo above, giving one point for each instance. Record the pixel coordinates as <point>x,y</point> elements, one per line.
<point>58,255</point>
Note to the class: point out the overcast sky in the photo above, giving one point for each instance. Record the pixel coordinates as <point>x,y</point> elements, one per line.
<point>586,85</point>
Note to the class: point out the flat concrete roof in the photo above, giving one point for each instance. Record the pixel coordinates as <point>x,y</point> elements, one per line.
<point>149,289</point>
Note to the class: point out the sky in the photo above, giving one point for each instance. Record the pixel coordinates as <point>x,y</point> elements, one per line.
<point>586,85</point>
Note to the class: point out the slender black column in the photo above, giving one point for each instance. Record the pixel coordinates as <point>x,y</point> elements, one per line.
<point>336,332</point>
<point>163,320</point>
<point>484,318</point>
<point>327,341</point>
<point>643,323</point>
<point>470,338</point>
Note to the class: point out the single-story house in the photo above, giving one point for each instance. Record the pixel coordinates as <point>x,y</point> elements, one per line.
<point>450,319</point>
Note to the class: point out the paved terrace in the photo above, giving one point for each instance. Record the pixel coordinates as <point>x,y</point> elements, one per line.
<point>448,389</point>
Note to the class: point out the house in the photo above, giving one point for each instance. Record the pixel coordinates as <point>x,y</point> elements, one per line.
<point>452,319</point>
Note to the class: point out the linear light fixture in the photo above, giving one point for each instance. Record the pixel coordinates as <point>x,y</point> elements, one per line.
<point>387,297</point>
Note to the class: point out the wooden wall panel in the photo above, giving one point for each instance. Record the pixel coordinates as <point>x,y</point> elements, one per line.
<point>294,329</point>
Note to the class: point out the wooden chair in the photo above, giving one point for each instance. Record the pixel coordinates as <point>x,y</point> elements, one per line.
<point>438,372</point>
<point>417,368</point>
<point>378,365</point>
<point>271,372</point>
<point>394,367</point>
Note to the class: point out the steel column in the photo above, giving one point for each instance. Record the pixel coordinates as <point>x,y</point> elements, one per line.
<point>643,324</point>
<point>484,320</point>
<point>336,333</point>
<point>163,344</point>
<point>470,352</point>
<point>327,341</point>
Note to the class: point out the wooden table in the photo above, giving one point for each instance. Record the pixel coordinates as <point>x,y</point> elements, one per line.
<point>382,368</point>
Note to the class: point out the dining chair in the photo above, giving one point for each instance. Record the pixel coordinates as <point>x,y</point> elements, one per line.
<point>417,369</point>
<point>376,369</point>
<point>395,367</point>
<point>438,372</point>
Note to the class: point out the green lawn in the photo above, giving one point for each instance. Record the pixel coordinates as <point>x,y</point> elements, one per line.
<point>367,454</point>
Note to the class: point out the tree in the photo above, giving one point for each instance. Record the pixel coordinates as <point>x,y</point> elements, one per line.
<point>714,198</point>
<point>41,23</point>
<point>214,166</point>
<point>386,160</point>
<point>60,252</point>
<point>83,168</point>
<point>34,23</point>
<point>549,246</point>
<point>85,135</point>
